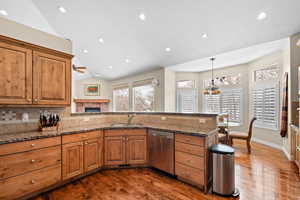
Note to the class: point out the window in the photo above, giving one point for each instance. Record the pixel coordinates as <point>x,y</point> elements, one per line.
<point>229,102</point>
<point>121,99</point>
<point>186,100</point>
<point>228,80</point>
<point>186,96</point>
<point>265,103</point>
<point>143,97</point>
<point>185,84</point>
<point>267,73</point>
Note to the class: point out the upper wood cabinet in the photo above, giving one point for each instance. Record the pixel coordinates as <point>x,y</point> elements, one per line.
<point>51,79</point>
<point>16,74</point>
<point>33,75</point>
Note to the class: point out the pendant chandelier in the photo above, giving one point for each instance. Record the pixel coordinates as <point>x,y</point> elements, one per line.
<point>212,89</point>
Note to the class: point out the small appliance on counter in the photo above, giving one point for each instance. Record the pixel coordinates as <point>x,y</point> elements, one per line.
<point>49,121</point>
<point>223,170</point>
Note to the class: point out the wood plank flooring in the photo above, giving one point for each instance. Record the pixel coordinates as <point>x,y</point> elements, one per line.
<point>265,174</point>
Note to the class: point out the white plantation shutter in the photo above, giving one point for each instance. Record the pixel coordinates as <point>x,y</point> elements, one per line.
<point>186,100</point>
<point>231,103</point>
<point>265,105</point>
<point>212,103</point>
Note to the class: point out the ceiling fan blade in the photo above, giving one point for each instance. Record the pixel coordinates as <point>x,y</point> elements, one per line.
<point>80,71</point>
<point>82,67</point>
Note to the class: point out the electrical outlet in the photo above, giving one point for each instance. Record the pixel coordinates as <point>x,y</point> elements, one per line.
<point>202,121</point>
<point>163,118</point>
<point>86,119</point>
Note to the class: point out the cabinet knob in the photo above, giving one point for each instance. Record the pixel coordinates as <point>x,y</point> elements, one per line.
<point>29,100</point>
<point>32,145</point>
<point>32,161</point>
<point>86,143</point>
<point>298,148</point>
<point>32,181</point>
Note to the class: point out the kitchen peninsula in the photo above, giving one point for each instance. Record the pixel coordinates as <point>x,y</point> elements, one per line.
<point>86,143</point>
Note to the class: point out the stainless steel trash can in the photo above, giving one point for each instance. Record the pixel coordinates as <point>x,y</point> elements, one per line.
<point>223,169</point>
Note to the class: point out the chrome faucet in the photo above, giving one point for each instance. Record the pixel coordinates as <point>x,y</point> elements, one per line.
<point>130,118</point>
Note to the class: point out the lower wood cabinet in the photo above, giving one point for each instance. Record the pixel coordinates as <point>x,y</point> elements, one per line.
<point>18,186</point>
<point>115,152</point>
<point>83,154</point>
<point>136,149</point>
<point>72,160</point>
<point>125,147</point>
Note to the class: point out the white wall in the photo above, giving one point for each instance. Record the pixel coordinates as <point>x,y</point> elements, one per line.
<point>105,89</point>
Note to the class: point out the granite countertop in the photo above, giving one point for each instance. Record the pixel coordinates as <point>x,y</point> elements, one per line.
<point>26,136</point>
<point>148,113</point>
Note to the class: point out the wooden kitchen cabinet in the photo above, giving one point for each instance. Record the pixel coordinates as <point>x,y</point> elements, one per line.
<point>51,79</point>
<point>81,153</point>
<point>91,154</point>
<point>125,146</point>
<point>115,152</point>
<point>16,74</point>
<point>72,160</point>
<point>33,75</point>
<point>136,149</point>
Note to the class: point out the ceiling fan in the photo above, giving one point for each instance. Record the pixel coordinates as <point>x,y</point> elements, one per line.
<point>80,69</point>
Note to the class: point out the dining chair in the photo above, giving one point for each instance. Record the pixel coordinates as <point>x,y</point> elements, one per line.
<point>223,129</point>
<point>242,135</point>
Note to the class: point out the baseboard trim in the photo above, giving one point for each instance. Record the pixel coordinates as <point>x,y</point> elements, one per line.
<point>287,154</point>
<point>276,146</point>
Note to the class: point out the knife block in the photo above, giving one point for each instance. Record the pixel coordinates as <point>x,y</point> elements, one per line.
<point>49,128</point>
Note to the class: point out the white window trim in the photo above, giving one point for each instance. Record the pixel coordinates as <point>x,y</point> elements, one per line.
<point>145,82</point>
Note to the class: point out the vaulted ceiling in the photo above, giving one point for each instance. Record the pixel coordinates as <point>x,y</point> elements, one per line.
<point>131,45</point>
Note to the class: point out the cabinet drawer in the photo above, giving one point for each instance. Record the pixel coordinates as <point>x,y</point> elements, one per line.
<point>29,145</point>
<point>189,160</point>
<point>189,148</point>
<point>25,184</point>
<point>195,140</point>
<point>122,132</point>
<point>195,176</point>
<point>20,163</point>
<point>81,136</point>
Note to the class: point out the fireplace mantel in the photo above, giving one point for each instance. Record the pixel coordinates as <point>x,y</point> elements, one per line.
<point>91,100</point>
<point>82,104</point>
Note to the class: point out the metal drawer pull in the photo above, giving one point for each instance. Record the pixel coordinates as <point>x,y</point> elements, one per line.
<point>32,181</point>
<point>32,161</point>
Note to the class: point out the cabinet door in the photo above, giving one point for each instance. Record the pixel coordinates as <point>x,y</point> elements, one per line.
<point>91,154</point>
<point>101,151</point>
<point>136,149</point>
<point>16,74</point>
<point>72,160</point>
<point>51,79</point>
<point>114,150</point>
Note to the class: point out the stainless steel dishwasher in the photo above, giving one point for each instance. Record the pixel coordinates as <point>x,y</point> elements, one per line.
<point>162,150</point>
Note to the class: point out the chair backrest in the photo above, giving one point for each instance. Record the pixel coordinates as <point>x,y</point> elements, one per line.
<point>250,128</point>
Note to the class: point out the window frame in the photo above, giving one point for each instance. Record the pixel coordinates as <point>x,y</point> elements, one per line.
<point>143,83</point>
<point>114,98</point>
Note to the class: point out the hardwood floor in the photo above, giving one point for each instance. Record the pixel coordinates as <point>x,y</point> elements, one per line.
<point>265,174</point>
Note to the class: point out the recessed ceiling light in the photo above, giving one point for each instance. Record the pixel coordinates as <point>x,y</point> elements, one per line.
<point>142,17</point>
<point>261,16</point>
<point>85,51</point>
<point>110,67</point>
<point>3,12</point>
<point>204,36</point>
<point>101,40</point>
<point>168,49</point>
<point>62,9</point>
<point>127,60</point>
